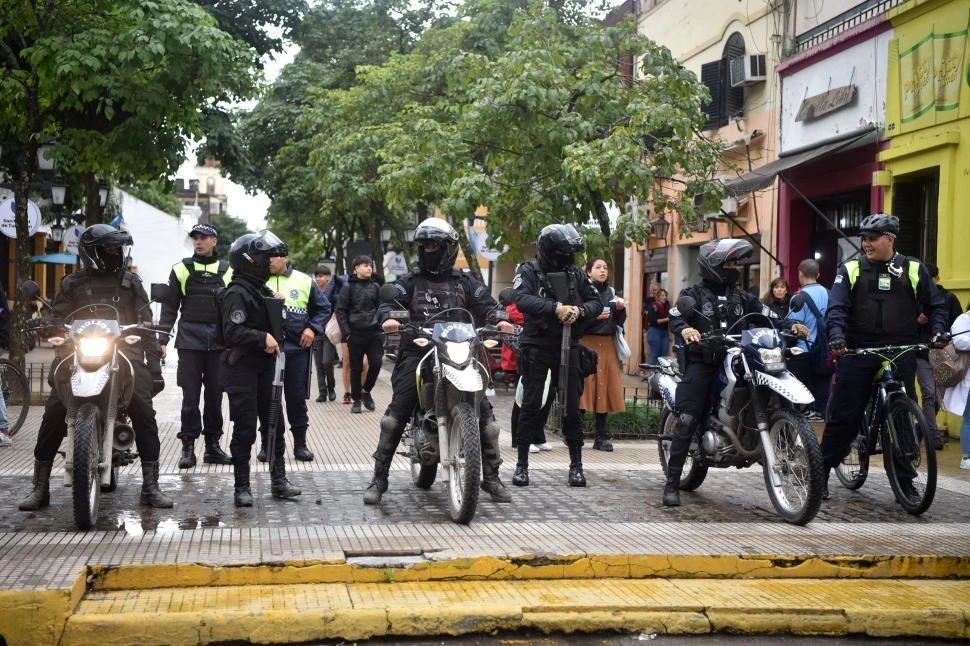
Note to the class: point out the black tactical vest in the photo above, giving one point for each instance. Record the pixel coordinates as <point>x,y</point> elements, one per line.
<point>433,296</point>
<point>198,302</point>
<point>110,289</point>
<point>884,305</point>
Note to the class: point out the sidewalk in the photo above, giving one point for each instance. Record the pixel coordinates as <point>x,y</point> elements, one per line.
<point>607,557</point>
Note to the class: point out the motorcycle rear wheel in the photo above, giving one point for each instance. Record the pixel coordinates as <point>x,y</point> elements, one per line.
<point>798,464</point>
<point>693,474</point>
<point>466,471</point>
<point>86,476</point>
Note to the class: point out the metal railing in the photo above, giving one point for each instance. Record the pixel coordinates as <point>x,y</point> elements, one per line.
<point>843,22</point>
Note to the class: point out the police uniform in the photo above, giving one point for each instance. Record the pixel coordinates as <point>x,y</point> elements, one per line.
<point>541,342</point>
<point>306,307</point>
<point>192,285</point>
<point>873,304</point>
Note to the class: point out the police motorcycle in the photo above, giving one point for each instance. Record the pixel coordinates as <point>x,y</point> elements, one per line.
<point>95,383</point>
<point>753,418</point>
<point>452,378</point>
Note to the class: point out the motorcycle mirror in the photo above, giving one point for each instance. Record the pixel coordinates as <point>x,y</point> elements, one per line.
<point>388,292</point>
<point>160,292</point>
<point>29,290</point>
<point>685,306</point>
<point>797,302</point>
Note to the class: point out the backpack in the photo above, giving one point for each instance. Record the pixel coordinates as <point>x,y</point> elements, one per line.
<point>949,365</point>
<point>819,353</point>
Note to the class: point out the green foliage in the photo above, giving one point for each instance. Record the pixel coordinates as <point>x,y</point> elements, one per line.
<point>253,21</point>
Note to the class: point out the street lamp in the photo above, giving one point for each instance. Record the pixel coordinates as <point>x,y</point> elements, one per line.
<point>57,230</point>
<point>103,196</point>
<point>385,235</point>
<point>45,157</point>
<point>659,228</point>
<point>58,191</point>
<point>409,235</point>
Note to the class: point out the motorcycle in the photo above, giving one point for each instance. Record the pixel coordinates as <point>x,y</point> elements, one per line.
<point>752,419</point>
<point>95,383</point>
<point>452,378</point>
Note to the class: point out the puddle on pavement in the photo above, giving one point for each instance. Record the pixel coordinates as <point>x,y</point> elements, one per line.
<point>137,525</point>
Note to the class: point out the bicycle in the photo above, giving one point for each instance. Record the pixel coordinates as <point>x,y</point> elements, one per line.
<point>895,426</point>
<point>16,396</point>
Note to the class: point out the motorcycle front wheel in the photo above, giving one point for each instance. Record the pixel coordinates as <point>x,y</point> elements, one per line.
<point>693,473</point>
<point>86,477</point>
<point>798,466</point>
<point>466,468</point>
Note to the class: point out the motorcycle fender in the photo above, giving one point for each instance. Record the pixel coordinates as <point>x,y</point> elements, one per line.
<point>786,385</point>
<point>85,384</point>
<point>468,379</point>
<point>667,386</point>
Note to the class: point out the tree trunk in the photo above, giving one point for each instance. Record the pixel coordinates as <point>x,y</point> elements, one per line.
<point>93,214</point>
<point>602,216</point>
<point>471,257</point>
<point>23,262</point>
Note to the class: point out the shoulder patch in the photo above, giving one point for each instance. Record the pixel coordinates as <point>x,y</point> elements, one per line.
<point>481,290</point>
<point>517,281</point>
<point>237,316</point>
<point>838,279</point>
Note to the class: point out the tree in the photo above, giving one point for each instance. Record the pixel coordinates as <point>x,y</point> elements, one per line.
<point>118,84</point>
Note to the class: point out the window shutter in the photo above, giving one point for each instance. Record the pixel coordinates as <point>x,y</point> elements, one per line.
<point>713,75</point>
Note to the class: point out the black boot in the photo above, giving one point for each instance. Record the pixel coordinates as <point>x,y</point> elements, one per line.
<point>242,497</point>
<point>300,450</point>
<point>491,462</point>
<point>576,476</point>
<point>602,440</point>
<point>151,495</point>
<point>672,488</point>
<point>213,453</point>
<point>279,485</point>
<point>40,496</point>
<point>492,485</point>
<point>521,476</point>
<point>187,461</point>
<point>378,485</point>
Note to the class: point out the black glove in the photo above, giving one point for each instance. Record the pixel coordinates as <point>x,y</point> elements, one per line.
<point>940,340</point>
<point>158,384</point>
<point>837,344</point>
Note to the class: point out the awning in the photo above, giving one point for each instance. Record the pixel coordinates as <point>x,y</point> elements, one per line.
<point>60,258</point>
<point>764,177</point>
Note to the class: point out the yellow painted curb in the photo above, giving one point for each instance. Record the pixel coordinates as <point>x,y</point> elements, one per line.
<point>37,616</point>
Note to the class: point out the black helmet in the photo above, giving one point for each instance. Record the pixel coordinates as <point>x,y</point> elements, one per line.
<point>102,248</point>
<point>249,255</point>
<point>439,231</point>
<point>557,246</point>
<point>715,253</point>
<point>878,224</point>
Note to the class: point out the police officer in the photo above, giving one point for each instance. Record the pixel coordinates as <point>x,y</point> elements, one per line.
<point>307,311</point>
<point>249,359</point>
<point>546,315</point>
<point>875,301</point>
<point>104,279</point>
<point>720,303</point>
<point>434,286</point>
<point>192,285</point>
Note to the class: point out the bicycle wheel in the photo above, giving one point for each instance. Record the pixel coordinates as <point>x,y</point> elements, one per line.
<point>16,396</point>
<point>909,455</point>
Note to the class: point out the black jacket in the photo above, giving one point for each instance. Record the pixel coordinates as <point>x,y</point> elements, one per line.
<point>356,308</point>
<point>716,304</point>
<point>245,321</point>
<point>538,305</point>
<point>606,327</point>
<point>191,335</point>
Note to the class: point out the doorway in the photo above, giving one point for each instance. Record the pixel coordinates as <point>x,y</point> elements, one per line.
<point>915,203</point>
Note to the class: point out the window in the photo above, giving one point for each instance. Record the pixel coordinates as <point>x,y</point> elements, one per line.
<point>726,101</point>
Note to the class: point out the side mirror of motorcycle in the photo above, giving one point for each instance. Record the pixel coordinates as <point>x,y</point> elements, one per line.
<point>797,302</point>
<point>685,307</point>
<point>160,292</point>
<point>389,293</point>
<point>29,290</point>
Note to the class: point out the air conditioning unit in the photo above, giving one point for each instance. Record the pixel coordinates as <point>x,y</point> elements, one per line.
<point>729,205</point>
<point>747,70</point>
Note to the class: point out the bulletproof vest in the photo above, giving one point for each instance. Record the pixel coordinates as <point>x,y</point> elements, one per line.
<point>884,304</point>
<point>722,311</point>
<point>545,285</point>
<point>199,283</point>
<point>432,296</point>
<point>110,289</point>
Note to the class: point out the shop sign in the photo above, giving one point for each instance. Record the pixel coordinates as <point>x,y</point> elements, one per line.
<point>8,222</point>
<point>819,105</point>
<point>930,73</point>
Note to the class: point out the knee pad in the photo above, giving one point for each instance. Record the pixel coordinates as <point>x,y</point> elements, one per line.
<point>687,423</point>
<point>389,424</point>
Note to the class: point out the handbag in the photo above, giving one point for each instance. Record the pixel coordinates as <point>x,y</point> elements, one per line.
<point>622,347</point>
<point>586,360</point>
<point>333,331</point>
<point>949,365</point>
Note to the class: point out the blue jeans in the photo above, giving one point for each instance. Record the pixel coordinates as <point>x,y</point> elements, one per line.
<point>4,424</point>
<point>658,340</point>
<point>965,430</point>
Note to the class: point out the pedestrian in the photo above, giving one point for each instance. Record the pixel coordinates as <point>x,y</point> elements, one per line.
<point>929,397</point>
<point>720,303</point>
<point>956,399</point>
<point>659,333</point>
<point>810,368</point>
<point>103,279</point>
<point>193,283</point>
<point>875,301</point>
<point>249,360</point>
<point>645,321</point>
<point>547,314</point>
<point>357,315</point>
<point>324,351</point>
<point>602,391</point>
<point>433,287</point>
<point>307,311</point>
<point>778,299</point>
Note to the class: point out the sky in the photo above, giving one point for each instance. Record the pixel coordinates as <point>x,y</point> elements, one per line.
<point>251,208</point>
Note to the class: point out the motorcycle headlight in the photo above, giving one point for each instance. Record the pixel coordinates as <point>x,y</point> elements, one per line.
<point>93,347</point>
<point>458,351</point>
<point>772,358</point>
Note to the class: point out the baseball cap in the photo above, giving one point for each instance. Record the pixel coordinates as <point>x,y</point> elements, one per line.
<point>205,230</point>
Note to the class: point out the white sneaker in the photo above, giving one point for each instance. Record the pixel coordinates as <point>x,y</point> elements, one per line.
<point>543,447</point>
<point>5,439</point>
<point>534,448</point>
<point>965,463</point>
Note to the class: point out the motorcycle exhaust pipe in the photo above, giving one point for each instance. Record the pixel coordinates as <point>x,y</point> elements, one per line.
<point>124,437</point>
